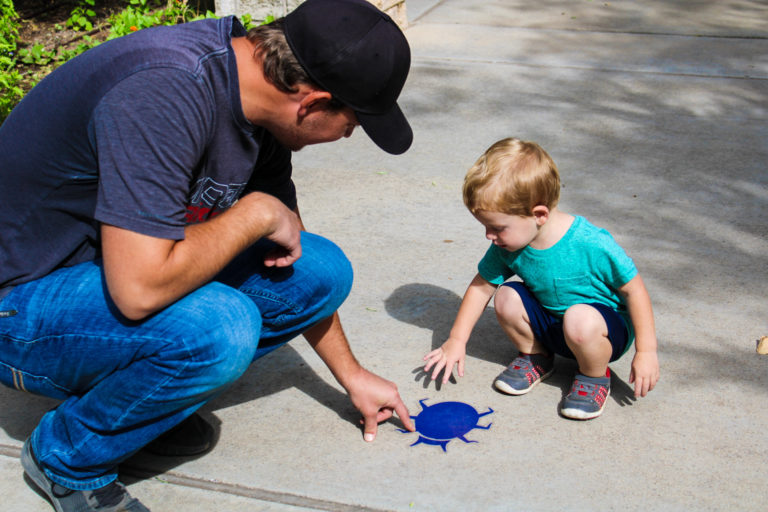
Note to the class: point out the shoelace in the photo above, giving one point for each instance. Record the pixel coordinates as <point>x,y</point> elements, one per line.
<point>521,363</point>
<point>587,389</point>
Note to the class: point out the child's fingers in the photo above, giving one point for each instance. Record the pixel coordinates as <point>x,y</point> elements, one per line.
<point>447,373</point>
<point>641,387</point>
<point>638,381</point>
<point>432,358</point>
<point>435,353</point>
<point>439,366</point>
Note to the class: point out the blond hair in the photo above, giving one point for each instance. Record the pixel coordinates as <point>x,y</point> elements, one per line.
<point>512,177</point>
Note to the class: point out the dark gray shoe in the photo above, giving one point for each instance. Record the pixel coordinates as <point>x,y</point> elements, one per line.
<point>110,498</point>
<point>587,397</point>
<point>524,373</point>
<point>192,436</point>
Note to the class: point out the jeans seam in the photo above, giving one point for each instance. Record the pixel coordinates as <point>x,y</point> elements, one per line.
<point>279,299</point>
<point>18,378</point>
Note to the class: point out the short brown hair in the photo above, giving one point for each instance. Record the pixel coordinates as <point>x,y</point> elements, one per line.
<point>512,177</point>
<point>281,68</point>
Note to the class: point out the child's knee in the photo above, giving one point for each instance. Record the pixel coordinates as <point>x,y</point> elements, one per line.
<point>584,324</point>
<point>508,304</point>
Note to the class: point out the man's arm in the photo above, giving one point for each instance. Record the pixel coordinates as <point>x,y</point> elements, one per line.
<point>375,397</point>
<point>145,274</point>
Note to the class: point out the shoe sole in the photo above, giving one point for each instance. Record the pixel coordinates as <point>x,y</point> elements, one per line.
<point>35,473</point>
<point>578,414</point>
<point>509,390</point>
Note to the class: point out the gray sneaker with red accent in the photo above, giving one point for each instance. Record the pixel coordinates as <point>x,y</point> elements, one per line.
<point>587,397</point>
<point>524,373</point>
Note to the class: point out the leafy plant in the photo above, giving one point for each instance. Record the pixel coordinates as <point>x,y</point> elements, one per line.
<point>21,68</point>
<point>36,55</point>
<point>136,16</point>
<point>10,92</point>
<point>9,33</point>
<point>145,13</point>
<point>65,54</point>
<point>81,16</point>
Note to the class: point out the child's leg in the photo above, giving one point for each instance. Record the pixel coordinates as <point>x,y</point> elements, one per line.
<point>513,318</point>
<point>586,334</point>
<point>515,308</point>
<point>596,335</point>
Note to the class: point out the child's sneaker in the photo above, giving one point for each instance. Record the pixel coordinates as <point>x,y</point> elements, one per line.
<point>524,373</point>
<point>587,397</point>
<point>111,498</point>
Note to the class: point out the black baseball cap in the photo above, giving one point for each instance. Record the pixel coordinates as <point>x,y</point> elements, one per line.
<point>358,54</point>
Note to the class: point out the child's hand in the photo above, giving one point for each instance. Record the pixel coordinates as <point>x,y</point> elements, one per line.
<point>451,353</point>
<point>645,372</point>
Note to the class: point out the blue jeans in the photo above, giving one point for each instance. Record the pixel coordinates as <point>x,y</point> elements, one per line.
<point>124,383</point>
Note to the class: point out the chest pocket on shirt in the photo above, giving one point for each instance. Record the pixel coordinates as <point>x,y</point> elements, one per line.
<point>572,290</point>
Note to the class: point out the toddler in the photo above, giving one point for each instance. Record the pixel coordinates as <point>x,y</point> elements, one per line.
<point>581,296</point>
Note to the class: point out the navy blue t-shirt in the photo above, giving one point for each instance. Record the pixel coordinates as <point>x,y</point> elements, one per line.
<point>145,132</point>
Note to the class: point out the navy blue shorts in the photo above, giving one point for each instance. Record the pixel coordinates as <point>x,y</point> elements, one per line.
<point>548,329</point>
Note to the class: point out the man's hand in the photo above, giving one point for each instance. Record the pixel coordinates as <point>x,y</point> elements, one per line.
<point>376,398</point>
<point>286,233</point>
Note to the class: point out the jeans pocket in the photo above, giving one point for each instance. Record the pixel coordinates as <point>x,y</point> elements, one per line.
<point>36,384</point>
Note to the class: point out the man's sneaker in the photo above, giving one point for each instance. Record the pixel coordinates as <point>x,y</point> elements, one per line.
<point>587,397</point>
<point>524,373</point>
<point>110,498</point>
<point>192,436</point>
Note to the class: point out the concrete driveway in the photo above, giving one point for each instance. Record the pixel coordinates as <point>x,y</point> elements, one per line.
<point>655,113</point>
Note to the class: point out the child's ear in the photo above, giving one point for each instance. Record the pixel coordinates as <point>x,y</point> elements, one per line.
<point>541,214</point>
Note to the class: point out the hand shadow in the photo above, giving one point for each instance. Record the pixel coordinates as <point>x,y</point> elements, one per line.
<point>420,374</point>
<point>434,308</point>
<point>622,392</point>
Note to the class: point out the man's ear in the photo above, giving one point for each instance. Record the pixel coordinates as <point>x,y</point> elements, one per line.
<point>312,101</point>
<point>541,214</point>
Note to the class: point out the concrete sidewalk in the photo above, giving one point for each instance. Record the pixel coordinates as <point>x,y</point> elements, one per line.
<point>655,113</point>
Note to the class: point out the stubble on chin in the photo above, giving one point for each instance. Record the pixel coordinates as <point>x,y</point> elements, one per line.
<point>288,140</point>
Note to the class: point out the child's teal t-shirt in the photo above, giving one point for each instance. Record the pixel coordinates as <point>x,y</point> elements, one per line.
<point>585,266</point>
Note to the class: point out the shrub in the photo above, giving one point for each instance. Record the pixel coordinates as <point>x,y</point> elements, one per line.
<point>10,92</point>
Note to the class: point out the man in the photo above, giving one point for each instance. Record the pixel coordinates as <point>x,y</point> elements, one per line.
<point>151,244</point>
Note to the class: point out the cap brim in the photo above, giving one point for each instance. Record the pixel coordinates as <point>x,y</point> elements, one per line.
<point>390,131</point>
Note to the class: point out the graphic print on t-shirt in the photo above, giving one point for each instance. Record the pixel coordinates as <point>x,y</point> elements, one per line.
<point>209,198</point>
